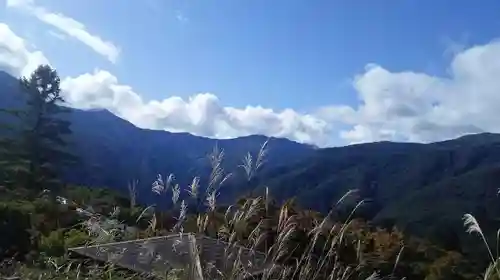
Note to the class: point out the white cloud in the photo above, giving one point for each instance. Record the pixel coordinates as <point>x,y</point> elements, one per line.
<point>15,57</point>
<point>412,106</point>
<point>202,114</point>
<point>69,26</point>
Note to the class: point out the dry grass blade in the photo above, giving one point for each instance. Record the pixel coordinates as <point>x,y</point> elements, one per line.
<point>261,155</point>
<point>193,187</point>
<point>144,212</point>
<point>472,226</point>
<point>247,165</point>
<point>346,195</point>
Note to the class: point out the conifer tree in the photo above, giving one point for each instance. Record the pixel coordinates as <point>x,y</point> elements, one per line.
<point>36,144</point>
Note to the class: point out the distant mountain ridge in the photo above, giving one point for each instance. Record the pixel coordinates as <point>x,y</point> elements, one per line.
<point>421,188</point>
<point>114,151</point>
<point>371,162</point>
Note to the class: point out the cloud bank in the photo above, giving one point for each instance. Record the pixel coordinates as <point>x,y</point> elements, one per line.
<point>400,106</point>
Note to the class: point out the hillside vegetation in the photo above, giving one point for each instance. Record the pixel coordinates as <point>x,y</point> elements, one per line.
<point>421,188</point>
<point>373,211</point>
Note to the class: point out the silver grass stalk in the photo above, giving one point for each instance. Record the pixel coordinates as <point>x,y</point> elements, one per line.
<point>247,165</point>
<point>158,185</point>
<point>193,187</point>
<point>261,155</point>
<point>472,226</point>
<point>176,192</point>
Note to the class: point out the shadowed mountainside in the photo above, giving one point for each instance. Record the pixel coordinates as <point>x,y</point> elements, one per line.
<point>422,188</point>
<point>114,152</point>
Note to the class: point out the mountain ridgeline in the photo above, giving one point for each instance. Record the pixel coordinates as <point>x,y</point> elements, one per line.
<point>422,188</point>
<point>113,152</point>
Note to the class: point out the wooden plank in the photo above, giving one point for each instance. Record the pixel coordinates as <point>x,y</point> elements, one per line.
<point>173,251</point>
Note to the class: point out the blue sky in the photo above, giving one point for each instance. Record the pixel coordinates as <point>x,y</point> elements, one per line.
<point>297,55</point>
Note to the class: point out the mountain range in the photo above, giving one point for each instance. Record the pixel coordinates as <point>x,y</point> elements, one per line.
<point>422,188</point>
<point>114,152</point>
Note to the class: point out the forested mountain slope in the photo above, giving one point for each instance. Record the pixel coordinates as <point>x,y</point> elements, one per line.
<point>421,188</point>
<point>114,152</point>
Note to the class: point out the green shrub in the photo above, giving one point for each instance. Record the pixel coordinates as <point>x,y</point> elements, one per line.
<point>15,230</point>
<point>75,238</point>
<point>53,245</point>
